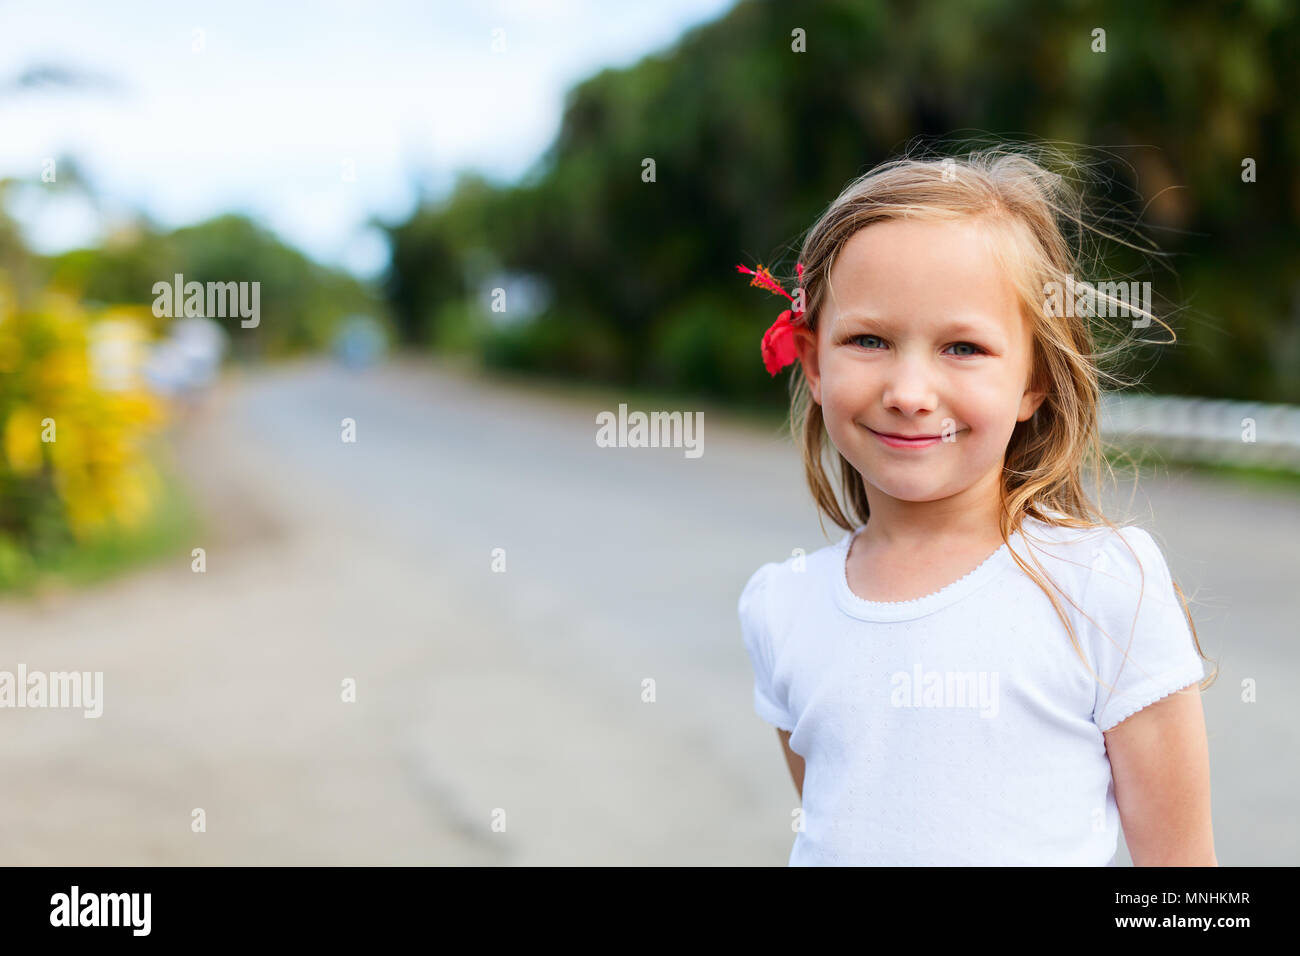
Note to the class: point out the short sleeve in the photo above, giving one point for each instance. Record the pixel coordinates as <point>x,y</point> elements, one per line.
<point>1142,645</point>
<point>756,630</point>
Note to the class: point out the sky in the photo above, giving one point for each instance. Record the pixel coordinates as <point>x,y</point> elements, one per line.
<point>313,118</point>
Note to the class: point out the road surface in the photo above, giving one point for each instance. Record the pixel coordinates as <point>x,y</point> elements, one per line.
<point>499,716</point>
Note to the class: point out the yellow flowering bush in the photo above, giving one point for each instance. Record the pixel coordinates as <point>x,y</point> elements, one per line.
<point>73,458</point>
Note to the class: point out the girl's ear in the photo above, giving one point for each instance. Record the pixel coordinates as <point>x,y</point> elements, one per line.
<point>1029,404</point>
<point>1037,387</point>
<point>805,343</point>
<point>1030,401</point>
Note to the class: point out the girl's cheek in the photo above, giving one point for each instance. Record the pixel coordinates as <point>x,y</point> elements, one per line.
<point>834,395</point>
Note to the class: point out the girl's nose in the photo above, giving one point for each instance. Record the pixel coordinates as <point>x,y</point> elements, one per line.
<point>910,388</point>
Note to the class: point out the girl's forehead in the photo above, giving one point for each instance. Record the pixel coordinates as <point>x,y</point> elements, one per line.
<point>922,272</point>
<point>886,246</point>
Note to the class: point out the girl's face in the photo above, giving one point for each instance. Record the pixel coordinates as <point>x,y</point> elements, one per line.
<point>922,336</point>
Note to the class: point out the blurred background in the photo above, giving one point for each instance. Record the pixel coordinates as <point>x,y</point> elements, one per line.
<point>362,586</point>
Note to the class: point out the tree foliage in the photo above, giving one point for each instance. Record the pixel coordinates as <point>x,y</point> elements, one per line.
<point>751,140</point>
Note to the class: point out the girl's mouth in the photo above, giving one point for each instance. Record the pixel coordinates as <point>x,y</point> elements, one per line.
<point>903,441</point>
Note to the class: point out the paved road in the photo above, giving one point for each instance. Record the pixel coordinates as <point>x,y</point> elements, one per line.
<point>512,696</point>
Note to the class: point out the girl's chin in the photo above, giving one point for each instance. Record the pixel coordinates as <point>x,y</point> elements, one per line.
<point>916,491</point>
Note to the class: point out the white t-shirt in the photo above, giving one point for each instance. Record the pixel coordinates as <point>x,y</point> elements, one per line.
<point>961,728</point>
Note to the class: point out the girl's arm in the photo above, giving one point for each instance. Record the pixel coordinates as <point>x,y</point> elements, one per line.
<point>794,761</point>
<point>1160,761</point>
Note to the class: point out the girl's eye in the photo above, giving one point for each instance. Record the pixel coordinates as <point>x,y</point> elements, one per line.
<point>975,349</point>
<point>855,338</point>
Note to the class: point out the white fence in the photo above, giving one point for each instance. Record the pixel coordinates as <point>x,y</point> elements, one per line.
<point>1200,429</point>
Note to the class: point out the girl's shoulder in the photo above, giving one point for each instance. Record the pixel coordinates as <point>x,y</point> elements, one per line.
<point>786,581</point>
<point>1136,633</point>
<point>1106,564</point>
<point>1094,540</point>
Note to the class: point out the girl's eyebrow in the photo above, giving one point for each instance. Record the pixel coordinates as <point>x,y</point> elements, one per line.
<point>973,327</point>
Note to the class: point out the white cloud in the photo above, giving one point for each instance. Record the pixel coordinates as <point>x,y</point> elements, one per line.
<point>264,115</point>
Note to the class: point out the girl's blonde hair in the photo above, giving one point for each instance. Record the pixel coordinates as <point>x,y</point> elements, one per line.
<point>1042,237</point>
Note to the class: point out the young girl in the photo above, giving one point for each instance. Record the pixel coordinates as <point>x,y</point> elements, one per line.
<point>983,670</point>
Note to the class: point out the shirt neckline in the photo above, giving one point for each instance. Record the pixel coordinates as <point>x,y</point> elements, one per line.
<point>863,609</point>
